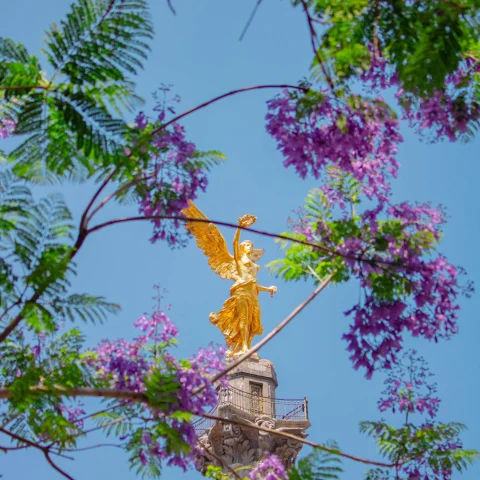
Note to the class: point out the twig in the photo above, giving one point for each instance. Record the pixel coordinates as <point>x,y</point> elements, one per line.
<point>138,397</point>
<point>376,48</point>
<point>214,100</point>
<point>23,87</point>
<point>84,218</point>
<point>114,194</point>
<point>55,466</point>
<point>45,450</point>
<point>91,447</point>
<point>318,246</point>
<point>249,21</point>
<point>313,36</point>
<point>333,451</point>
<point>170,6</point>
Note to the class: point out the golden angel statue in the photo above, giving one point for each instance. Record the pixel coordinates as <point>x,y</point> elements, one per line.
<point>240,318</point>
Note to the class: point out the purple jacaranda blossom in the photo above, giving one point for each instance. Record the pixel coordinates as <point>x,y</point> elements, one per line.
<point>173,175</point>
<point>128,364</point>
<point>7,126</point>
<point>443,113</point>
<point>409,388</point>
<point>406,286</point>
<point>358,137</point>
<point>271,468</point>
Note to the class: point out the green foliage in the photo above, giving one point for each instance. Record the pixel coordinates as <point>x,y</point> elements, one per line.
<point>118,423</point>
<point>434,444</point>
<point>162,386</point>
<point>72,121</point>
<point>18,69</point>
<point>423,40</point>
<point>84,307</point>
<point>303,262</point>
<point>37,414</point>
<point>35,242</point>
<point>216,473</point>
<point>319,465</point>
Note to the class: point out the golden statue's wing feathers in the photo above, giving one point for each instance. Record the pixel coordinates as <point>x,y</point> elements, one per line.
<point>211,241</point>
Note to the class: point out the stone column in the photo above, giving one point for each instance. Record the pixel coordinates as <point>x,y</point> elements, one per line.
<point>251,400</point>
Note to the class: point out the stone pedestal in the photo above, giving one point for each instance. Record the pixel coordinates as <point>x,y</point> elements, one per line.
<point>251,399</point>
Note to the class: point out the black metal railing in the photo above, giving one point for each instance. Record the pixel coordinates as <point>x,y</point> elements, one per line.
<point>277,408</point>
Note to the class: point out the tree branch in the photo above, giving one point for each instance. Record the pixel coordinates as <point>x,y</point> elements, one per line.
<point>142,398</point>
<point>333,451</point>
<point>370,261</point>
<point>250,19</point>
<point>44,450</point>
<point>313,36</point>
<point>214,100</point>
<point>55,466</point>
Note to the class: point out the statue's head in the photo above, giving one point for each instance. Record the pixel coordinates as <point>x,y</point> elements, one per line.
<point>246,248</point>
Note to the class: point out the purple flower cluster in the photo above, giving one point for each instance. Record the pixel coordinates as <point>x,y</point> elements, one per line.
<point>271,468</point>
<point>173,175</point>
<point>73,413</point>
<point>409,389</point>
<point>357,136</point>
<point>127,365</point>
<point>390,250</point>
<point>6,127</point>
<point>444,113</point>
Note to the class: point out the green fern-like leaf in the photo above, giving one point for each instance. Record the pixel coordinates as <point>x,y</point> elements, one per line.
<point>100,40</point>
<point>85,307</point>
<point>319,465</point>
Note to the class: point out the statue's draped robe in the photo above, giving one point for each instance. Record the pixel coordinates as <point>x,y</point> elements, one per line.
<point>239,312</point>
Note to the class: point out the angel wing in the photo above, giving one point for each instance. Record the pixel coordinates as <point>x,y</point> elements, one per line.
<point>211,241</point>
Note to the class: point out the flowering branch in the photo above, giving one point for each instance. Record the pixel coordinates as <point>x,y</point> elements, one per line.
<point>142,398</point>
<point>248,229</point>
<point>216,99</point>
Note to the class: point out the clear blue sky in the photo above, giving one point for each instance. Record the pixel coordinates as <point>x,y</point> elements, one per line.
<point>199,53</point>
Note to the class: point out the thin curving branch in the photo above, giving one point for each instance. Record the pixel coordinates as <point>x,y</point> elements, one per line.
<point>214,100</point>
<point>43,449</point>
<point>313,36</point>
<point>330,251</point>
<point>142,398</point>
<point>250,20</point>
<point>333,451</point>
<point>55,466</point>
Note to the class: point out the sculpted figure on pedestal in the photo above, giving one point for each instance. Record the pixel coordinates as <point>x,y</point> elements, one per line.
<point>240,317</point>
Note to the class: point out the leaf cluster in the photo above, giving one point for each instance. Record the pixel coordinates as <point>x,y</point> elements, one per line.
<point>72,122</point>
<point>37,414</point>
<point>318,465</point>
<point>36,261</point>
<point>433,446</point>
<point>423,41</point>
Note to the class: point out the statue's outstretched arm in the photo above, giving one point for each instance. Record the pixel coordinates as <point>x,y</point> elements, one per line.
<point>272,289</point>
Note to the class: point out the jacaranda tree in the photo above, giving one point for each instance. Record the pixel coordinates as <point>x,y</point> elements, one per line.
<point>70,126</point>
